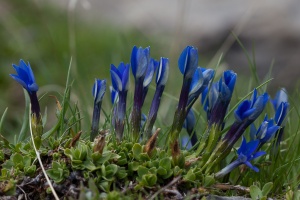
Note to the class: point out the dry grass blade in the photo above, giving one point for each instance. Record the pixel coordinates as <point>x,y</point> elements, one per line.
<point>40,161</point>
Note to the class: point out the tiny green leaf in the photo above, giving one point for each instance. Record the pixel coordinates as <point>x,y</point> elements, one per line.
<point>165,163</point>
<point>149,179</point>
<point>267,188</point>
<point>137,150</point>
<point>255,192</point>
<point>142,171</point>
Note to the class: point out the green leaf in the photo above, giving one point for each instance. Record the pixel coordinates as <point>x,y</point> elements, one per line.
<point>88,164</point>
<point>30,171</point>
<point>133,166</point>
<point>18,160</point>
<point>149,179</point>
<point>105,185</point>
<point>142,171</point>
<point>177,171</point>
<point>113,195</point>
<point>121,173</point>
<point>168,175</point>
<point>165,163</point>
<point>255,192</point>
<point>111,170</point>
<point>93,188</point>
<point>267,188</point>
<point>123,159</point>
<point>144,157</point>
<point>137,150</point>
<point>208,181</point>
<point>153,170</point>
<point>162,154</point>
<point>161,171</point>
<point>190,176</point>
<point>27,161</point>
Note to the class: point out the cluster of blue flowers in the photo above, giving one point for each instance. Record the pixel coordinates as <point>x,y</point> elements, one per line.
<point>197,81</point>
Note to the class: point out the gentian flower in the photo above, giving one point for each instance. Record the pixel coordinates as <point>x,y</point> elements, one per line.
<point>246,153</point>
<point>25,77</point>
<point>98,92</point>
<point>281,106</point>
<point>200,81</point>
<point>153,64</point>
<point>188,63</point>
<point>209,97</point>
<point>114,96</point>
<point>219,97</point>
<point>120,77</point>
<point>189,125</point>
<point>216,101</point>
<point>140,59</point>
<point>161,79</point>
<point>245,114</point>
<point>265,132</point>
<point>120,82</point>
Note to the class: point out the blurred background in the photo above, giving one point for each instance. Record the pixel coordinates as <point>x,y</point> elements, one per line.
<point>95,33</point>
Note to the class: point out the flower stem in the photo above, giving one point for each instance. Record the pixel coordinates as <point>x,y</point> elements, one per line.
<point>120,115</point>
<point>95,121</point>
<point>153,112</point>
<point>137,109</point>
<point>228,169</point>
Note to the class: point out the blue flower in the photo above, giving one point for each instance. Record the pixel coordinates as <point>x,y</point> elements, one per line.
<point>120,82</point>
<point>188,61</point>
<point>226,85</point>
<point>281,105</point>
<point>148,77</point>
<point>251,109</point>
<point>99,89</point>
<point>150,72</point>
<point>162,73</point>
<point>120,77</point>
<point>139,61</point>
<point>281,96</point>
<point>219,97</point>
<point>265,132</point>
<point>197,81</point>
<point>209,98</point>
<point>200,81</point>
<point>25,76</point>
<point>245,114</point>
<point>114,96</point>
<point>161,79</point>
<point>246,153</point>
